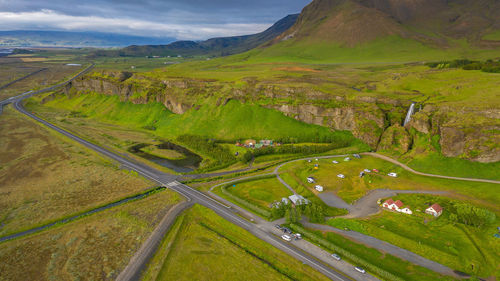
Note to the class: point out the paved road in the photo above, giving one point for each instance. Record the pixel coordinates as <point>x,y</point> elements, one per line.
<point>196,196</point>
<point>386,158</point>
<point>303,245</point>
<point>387,248</point>
<point>140,259</point>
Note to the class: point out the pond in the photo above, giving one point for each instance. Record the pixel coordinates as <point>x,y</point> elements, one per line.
<point>188,161</point>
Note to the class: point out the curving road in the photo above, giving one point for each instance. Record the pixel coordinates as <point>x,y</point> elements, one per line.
<point>169,181</point>
<point>386,158</point>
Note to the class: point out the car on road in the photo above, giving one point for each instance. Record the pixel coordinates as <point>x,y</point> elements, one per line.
<point>341,176</point>
<point>335,162</point>
<point>394,175</point>
<point>360,269</point>
<point>367,171</point>
<point>286,238</point>
<point>336,257</point>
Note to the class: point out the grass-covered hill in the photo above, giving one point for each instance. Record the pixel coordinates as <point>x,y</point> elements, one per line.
<point>388,31</point>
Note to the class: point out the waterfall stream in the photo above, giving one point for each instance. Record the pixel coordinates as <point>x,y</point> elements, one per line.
<point>411,110</point>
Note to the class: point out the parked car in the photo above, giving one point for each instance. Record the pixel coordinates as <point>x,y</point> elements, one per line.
<point>367,171</point>
<point>309,161</point>
<point>286,230</point>
<point>336,257</point>
<point>286,238</point>
<point>394,175</point>
<point>316,159</point>
<point>341,176</point>
<point>357,156</point>
<point>375,170</point>
<point>297,236</point>
<point>311,180</point>
<point>278,226</point>
<point>360,269</point>
<point>347,159</point>
<point>335,162</point>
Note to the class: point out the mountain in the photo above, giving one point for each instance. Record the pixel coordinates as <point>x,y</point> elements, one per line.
<point>32,38</point>
<point>328,29</point>
<point>216,46</point>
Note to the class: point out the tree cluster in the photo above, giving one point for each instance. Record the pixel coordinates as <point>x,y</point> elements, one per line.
<point>293,214</point>
<point>485,66</point>
<point>218,154</point>
<point>471,215</point>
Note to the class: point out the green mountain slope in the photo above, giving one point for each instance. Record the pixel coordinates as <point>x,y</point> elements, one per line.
<point>388,31</point>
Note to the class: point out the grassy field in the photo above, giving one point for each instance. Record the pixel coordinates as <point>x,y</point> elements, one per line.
<point>54,74</point>
<point>96,247</point>
<point>261,192</point>
<point>435,163</point>
<point>203,246</point>
<point>44,176</point>
<point>353,187</point>
<point>383,265</point>
<point>468,249</point>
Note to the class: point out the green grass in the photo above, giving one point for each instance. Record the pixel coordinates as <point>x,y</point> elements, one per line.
<point>261,192</point>
<point>232,121</point>
<point>206,247</point>
<point>383,265</point>
<point>460,247</point>
<point>386,49</point>
<point>435,163</point>
<point>494,36</point>
<point>352,187</point>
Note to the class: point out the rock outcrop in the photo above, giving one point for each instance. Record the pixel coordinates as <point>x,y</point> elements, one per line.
<point>376,121</point>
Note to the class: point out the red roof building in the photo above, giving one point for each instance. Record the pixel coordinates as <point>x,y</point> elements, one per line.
<point>398,204</point>
<point>435,210</point>
<point>388,203</point>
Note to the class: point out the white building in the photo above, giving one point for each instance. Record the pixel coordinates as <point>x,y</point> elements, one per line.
<point>434,210</point>
<point>298,199</point>
<point>406,210</point>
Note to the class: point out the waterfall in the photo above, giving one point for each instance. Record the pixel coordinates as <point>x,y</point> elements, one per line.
<point>411,110</point>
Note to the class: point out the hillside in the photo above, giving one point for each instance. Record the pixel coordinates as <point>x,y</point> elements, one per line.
<point>222,46</point>
<point>378,30</point>
<point>35,38</point>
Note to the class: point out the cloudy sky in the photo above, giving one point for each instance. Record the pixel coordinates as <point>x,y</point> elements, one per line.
<point>181,19</point>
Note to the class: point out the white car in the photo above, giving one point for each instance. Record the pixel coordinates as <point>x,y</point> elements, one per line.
<point>394,175</point>
<point>319,188</point>
<point>367,171</point>
<point>336,257</point>
<point>360,269</point>
<point>347,159</point>
<point>335,162</point>
<point>286,238</point>
<point>341,176</point>
<point>311,180</point>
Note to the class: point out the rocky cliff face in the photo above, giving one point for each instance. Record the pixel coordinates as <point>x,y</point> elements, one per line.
<point>376,121</point>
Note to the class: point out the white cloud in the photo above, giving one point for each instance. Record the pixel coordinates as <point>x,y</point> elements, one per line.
<point>50,20</point>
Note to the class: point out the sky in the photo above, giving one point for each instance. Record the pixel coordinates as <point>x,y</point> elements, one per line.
<point>180,19</point>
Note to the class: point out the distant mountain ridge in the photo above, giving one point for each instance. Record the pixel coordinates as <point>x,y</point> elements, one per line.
<point>431,22</point>
<point>221,46</point>
<point>34,38</point>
